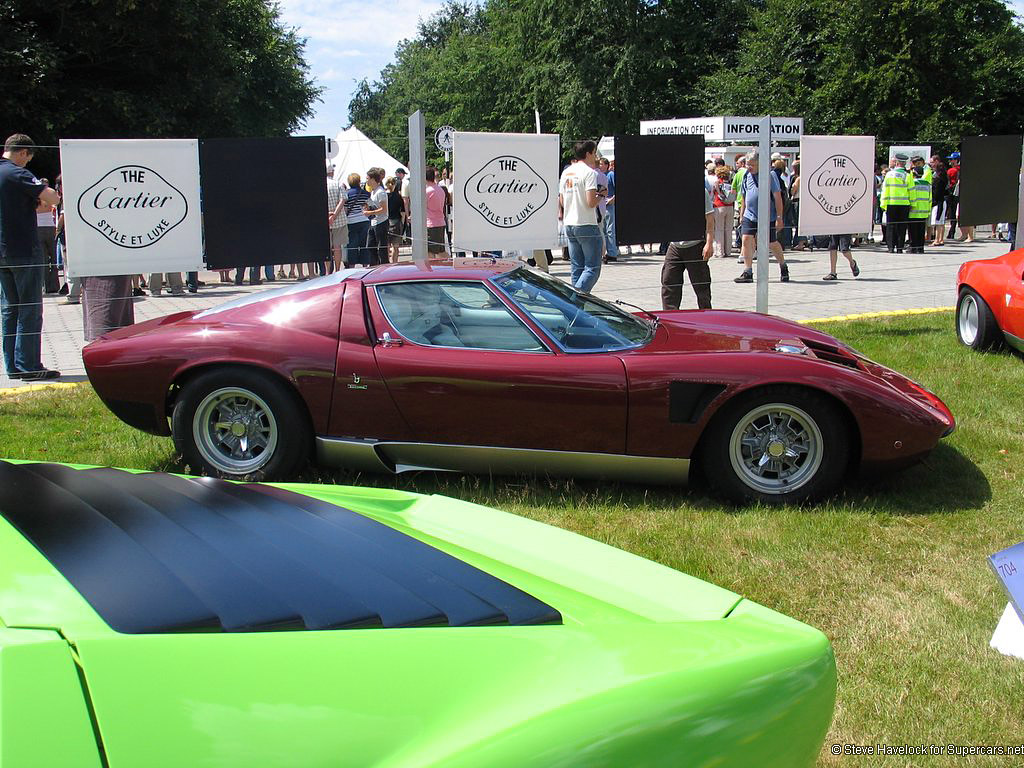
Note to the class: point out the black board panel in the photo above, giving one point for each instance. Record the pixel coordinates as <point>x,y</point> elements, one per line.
<point>659,193</point>
<point>989,179</point>
<point>264,201</point>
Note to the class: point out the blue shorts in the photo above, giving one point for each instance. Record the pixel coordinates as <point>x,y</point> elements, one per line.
<point>748,227</point>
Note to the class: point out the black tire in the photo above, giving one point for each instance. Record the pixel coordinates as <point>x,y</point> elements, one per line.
<point>976,326</point>
<point>796,438</point>
<point>216,405</point>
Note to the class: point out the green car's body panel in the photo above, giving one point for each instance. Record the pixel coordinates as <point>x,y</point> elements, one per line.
<point>649,667</point>
<point>44,720</point>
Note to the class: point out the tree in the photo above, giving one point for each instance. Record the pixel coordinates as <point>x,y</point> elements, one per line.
<point>590,67</point>
<point>908,71</point>
<point>129,69</point>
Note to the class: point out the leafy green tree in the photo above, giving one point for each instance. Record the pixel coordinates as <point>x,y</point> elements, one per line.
<point>926,71</point>
<point>132,69</point>
<point>591,67</point>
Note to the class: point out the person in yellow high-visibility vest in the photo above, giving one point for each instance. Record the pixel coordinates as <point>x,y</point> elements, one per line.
<point>895,201</point>
<point>920,209</point>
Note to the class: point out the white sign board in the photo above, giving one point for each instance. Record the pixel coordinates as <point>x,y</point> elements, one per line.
<point>911,150</point>
<point>709,127</point>
<point>836,184</point>
<point>506,191</point>
<point>131,206</point>
<point>726,128</point>
<point>1008,638</point>
<point>749,129</point>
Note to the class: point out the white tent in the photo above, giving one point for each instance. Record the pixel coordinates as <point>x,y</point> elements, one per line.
<point>357,153</point>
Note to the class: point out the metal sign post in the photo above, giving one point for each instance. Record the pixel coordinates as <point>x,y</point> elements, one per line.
<point>764,209</point>
<point>417,187</point>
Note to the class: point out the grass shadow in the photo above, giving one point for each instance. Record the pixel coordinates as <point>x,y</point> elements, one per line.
<point>946,481</point>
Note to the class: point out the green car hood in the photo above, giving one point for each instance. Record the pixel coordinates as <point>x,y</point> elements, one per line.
<point>647,667</point>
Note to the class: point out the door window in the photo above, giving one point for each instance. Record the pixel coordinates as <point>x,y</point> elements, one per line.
<point>455,314</point>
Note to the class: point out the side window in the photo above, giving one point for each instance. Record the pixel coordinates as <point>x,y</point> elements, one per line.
<point>458,314</point>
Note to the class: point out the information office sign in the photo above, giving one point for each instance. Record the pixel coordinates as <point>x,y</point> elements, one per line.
<point>727,128</point>
<point>131,206</point>
<point>506,191</point>
<point>837,184</point>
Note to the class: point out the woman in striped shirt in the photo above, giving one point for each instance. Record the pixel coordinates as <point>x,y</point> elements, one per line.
<point>358,223</point>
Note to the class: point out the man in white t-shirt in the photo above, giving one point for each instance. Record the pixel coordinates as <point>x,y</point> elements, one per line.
<point>577,206</point>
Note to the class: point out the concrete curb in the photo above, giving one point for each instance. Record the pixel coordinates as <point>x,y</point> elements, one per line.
<point>885,313</point>
<point>19,390</point>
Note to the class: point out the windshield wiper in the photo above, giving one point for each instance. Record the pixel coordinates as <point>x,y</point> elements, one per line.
<point>651,315</point>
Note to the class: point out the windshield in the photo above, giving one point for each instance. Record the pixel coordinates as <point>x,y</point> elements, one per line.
<point>579,322</point>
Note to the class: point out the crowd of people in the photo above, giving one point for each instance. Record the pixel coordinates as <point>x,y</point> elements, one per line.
<point>368,220</point>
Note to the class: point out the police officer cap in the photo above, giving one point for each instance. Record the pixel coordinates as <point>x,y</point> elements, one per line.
<point>954,156</point>
<point>902,157</point>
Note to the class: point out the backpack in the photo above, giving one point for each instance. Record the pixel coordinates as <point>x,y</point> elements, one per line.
<point>726,194</point>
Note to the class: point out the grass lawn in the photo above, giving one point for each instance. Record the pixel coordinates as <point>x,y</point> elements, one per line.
<point>893,570</point>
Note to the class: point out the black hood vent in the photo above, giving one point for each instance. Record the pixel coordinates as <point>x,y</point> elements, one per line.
<point>156,553</point>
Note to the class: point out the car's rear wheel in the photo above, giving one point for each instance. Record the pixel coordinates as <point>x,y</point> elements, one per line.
<point>240,423</point>
<point>777,445</point>
<point>975,324</point>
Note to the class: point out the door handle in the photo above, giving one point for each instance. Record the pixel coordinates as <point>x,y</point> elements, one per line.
<point>386,341</point>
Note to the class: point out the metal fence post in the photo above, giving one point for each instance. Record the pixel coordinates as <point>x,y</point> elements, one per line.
<point>417,187</point>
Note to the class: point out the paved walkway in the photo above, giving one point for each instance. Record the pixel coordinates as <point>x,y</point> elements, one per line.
<point>887,282</point>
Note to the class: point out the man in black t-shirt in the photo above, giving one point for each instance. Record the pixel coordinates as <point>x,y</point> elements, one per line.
<point>21,262</point>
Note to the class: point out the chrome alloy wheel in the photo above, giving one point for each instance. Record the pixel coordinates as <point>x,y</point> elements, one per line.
<point>235,430</point>
<point>776,448</point>
<point>967,319</point>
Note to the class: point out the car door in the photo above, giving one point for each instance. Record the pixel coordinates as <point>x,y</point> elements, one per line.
<point>464,369</point>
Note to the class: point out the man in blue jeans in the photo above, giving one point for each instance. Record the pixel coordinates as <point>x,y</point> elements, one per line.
<point>21,263</point>
<point>611,246</point>
<point>577,206</point>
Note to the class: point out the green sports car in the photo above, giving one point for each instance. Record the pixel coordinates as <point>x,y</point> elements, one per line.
<point>151,620</point>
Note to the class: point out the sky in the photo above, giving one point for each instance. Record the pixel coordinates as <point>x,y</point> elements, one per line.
<point>345,42</point>
<point>348,40</point>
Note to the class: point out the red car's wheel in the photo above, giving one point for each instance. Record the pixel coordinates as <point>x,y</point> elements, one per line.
<point>240,424</point>
<point>976,326</point>
<point>778,445</point>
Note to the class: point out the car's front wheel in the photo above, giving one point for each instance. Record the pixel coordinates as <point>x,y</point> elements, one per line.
<point>975,324</point>
<point>240,424</point>
<point>777,445</point>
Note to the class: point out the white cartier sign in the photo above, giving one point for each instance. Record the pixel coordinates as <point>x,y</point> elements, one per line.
<point>837,179</point>
<point>505,191</point>
<point>132,206</point>
<point>837,185</point>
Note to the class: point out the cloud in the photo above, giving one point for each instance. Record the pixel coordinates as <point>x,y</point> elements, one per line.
<point>357,25</point>
<point>347,41</point>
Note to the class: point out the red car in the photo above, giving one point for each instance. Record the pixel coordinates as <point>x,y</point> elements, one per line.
<point>990,302</point>
<point>495,369</point>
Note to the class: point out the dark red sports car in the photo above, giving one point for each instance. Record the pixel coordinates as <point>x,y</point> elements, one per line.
<point>990,302</point>
<point>481,368</point>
